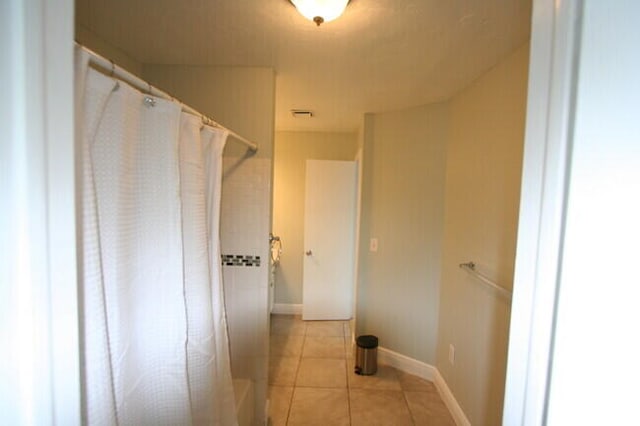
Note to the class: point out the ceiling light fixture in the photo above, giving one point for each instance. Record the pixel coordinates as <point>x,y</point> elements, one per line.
<point>320,11</point>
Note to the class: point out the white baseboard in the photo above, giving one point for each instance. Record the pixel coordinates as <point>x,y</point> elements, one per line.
<point>406,364</point>
<point>427,372</point>
<point>450,401</point>
<point>286,309</point>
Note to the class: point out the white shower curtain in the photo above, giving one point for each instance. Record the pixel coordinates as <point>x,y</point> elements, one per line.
<point>153,324</point>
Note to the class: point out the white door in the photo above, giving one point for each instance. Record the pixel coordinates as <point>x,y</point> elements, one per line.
<point>329,240</point>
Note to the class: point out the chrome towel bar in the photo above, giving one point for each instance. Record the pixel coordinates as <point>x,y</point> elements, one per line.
<point>471,268</point>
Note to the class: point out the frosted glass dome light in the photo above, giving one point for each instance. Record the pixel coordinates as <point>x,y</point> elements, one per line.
<point>320,11</point>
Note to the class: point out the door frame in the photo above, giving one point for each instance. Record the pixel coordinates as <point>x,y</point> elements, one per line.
<point>39,301</point>
<point>555,39</point>
<point>356,264</point>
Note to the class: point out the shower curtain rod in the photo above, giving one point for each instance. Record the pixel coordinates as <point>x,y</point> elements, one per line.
<point>124,75</point>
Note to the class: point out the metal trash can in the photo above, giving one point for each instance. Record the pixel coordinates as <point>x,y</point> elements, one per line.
<point>366,355</point>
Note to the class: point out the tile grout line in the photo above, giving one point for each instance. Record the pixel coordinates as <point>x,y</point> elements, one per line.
<point>346,365</point>
<point>396,372</point>
<point>295,379</point>
<point>343,356</point>
<point>404,398</point>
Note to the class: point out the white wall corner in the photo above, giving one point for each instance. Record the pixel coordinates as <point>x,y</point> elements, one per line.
<point>427,372</point>
<point>286,309</point>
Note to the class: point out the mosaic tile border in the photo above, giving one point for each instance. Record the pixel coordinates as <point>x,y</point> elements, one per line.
<point>240,260</point>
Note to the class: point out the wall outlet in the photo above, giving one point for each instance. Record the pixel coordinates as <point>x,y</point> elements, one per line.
<point>452,354</point>
<point>373,244</point>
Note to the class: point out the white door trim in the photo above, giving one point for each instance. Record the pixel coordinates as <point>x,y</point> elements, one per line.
<point>359,159</point>
<point>548,139</point>
<point>38,283</point>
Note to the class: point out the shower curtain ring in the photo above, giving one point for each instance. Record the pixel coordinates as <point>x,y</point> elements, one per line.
<point>112,75</point>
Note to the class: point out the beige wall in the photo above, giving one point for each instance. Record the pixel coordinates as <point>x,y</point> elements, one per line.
<point>292,149</point>
<point>240,98</point>
<point>484,161</point>
<point>402,206</point>
<point>441,187</point>
<point>89,39</point>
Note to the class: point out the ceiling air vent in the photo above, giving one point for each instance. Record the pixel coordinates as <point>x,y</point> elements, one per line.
<point>301,113</point>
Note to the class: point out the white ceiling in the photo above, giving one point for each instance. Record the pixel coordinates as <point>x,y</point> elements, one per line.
<point>380,55</point>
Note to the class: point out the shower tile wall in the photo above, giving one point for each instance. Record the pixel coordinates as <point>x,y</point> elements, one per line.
<point>244,230</point>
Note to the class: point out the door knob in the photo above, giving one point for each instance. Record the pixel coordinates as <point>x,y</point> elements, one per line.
<point>308,253</point>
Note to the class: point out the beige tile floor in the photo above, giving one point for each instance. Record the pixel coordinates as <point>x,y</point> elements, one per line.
<point>311,382</point>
